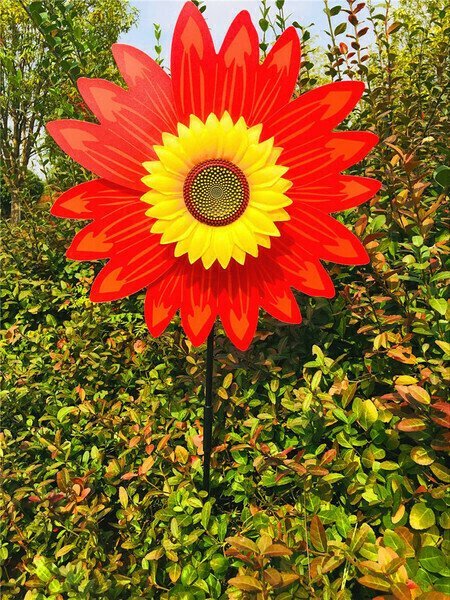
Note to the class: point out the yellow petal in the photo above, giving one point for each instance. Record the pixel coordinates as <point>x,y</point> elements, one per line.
<point>171,209</point>
<point>153,197</point>
<point>182,247</point>
<point>274,155</point>
<point>199,242</point>
<point>268,200</point>
<point>262,240</point>
<point>279,215</point>
<point>243,237</point>
<point>254,133</point>
<point>235,146</point>
<point>163,184</point>
<point>154,166</point>
<point>179,229</point>
<point>255,157</point>
<point>159,226</point>
<point>208,257</point>
<point>172,161</point>
<point>258,221</point>
<point>267,176</point>
<point>226,122</point>
<point>222,245</point>
<point>238,255</point>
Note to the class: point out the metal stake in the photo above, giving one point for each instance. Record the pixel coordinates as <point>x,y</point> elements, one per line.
<point>208,412</point>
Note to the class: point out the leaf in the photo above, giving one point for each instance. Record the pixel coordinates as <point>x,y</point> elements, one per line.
<point>340,28</point>
<point>273,577</point>
<point>421,517</point>
<point>394,27</point>
<point>288,579</point>
<point>375,583</point>
<point>277,550</point>
<point>411,425</point>
<point>146,465</point>
<point>227,380</point>
<point>154,554</point>
<point>123,497</point>
<point>206,513</point>
<point>64,411</point>
<point>41,570</point>
<point>64,550</point>
<point>243,543</point>
<point>246,583</point>
<point>422,456</point>
<point>368,414</point>
<point>181,454</point>
<point>441,472</point>
<point>442,176</point>
<point>419,394</point>
<point>318,535</point>
<point>405,380</point>
<point>432,559</point>
<point>440,305</point>
<point>401,591</point>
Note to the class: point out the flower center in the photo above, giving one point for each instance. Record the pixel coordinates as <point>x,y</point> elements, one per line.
<point>216,192</point>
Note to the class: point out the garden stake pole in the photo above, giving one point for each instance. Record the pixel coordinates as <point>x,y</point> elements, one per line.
<point>208,411</point>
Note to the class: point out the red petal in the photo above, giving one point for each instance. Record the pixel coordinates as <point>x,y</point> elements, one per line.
<point>199,303</point>
<point>323,237</point>
<point>193,65</point>
<point>238,305</point>
<point>101,151</point>
<point>104,237</point>
<point>148,82</point>
<point>316,112</point>
<point>277,77</point>
<point>162,300</point>
<point>238,62</point>
<point>132,269</point>
<point>336,193</point>
<point>86,200</point>
<point>301,270</point>
<point>310,161</point>
<point>278,300</point>
<point>123,114</point>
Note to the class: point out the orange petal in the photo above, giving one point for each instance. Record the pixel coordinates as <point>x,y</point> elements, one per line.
<point>162,300</point>
<point>147,81</point>
<point>276,77</point>
<point>101,151</point>
<point>86,200</point>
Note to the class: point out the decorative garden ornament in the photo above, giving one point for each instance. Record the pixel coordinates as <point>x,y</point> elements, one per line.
<point>215,187</point>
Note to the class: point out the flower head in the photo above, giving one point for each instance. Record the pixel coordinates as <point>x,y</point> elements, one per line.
<point>215,188</point>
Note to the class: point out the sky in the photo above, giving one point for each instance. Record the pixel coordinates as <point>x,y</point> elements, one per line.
<point>219,14</point>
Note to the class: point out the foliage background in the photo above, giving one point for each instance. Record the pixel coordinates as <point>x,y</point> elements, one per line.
<point>329,474</point>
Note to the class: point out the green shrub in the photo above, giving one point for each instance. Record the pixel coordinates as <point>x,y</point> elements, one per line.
<point>329,474</point>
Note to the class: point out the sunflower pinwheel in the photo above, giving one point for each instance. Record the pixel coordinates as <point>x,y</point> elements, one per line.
<point>214,187</point>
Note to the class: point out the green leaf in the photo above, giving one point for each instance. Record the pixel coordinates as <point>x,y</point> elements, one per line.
<point>206,513</point>
<point>439,305</point>
<point>368,414</point>
<point>442,176</point>
<point>340,28</point>
<point>432,559</point>
<point>64,411</point>
<point>421,517</point>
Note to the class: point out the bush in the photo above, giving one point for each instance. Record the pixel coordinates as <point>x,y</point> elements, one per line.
<point>34,188</point>
<point>329,478</point>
